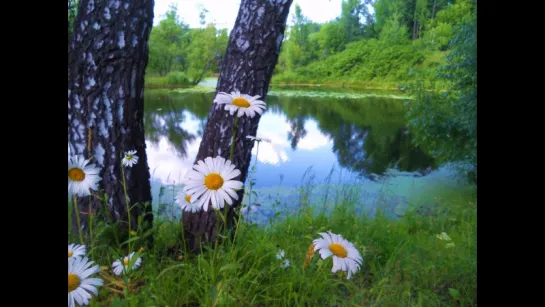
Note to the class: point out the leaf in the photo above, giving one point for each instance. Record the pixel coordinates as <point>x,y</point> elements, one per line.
<point>116,303</point>
<point>454,293</point>
<point>170,268</point>
<point>231,266</point>
<point>130,240</point>
<point>134,259</point>
<point>213,292</point>
<point>205,265</point>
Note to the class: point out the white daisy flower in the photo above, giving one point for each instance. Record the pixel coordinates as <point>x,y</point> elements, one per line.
<point>76,250</point>
<point>280,254</point>
<point>285,264</point>
<point>258,139</point>
<point>443,236</point>
<point>241,103</point>
<point>82,176</point>
<point>121,266</point>
<point>79,283</point>
<point>130,158</point>
<point>211,182</point>
<point>345,256</point>
<point>184,201</point>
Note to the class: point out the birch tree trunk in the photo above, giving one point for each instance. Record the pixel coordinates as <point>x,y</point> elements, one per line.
<point>108,55</point>
<point>252,53</point>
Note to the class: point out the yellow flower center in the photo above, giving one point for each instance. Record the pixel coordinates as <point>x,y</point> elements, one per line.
<point>128,157</point>
<point>188,198</point>
<point>338,250</point>
<point>240,102</point>
<point>73,282</point>
<point>76,174</point>
<point>213,181</point>
<point>70,253</point>
<point>126,261</point>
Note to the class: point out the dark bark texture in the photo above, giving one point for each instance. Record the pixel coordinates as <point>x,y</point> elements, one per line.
<point>107,59</point>
<point>252,53</point>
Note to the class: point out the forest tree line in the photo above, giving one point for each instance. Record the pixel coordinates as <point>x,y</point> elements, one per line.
<point>384,41</point>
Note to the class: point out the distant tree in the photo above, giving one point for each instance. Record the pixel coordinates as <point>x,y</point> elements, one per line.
<point>420,16</point>
<point>206,46</point>
<point>446,121</point>
<point>299,49</point>
<point>167,44</point>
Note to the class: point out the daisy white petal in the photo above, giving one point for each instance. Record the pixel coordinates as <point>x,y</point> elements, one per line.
<point>345,255</point>
<point>76,250</point>
<point>186,204</point>
<point>232,193</point>
<point>223,98</point>
<point>242,103</point>
<point>219,200</point>
<point>233,184</point>
<point>82,176</point>
<point>123,265</point>
<point>231,110</point>
<point>214,200</point>
<point>200,167</point>
<point>80,285</point>
<point>130,158</point>
<point>223,194</point>
<point>215,183</point>
<point>205,200</point>
<point>230,175</point>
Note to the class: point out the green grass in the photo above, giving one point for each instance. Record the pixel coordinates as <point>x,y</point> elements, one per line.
<point>404,263</point>
<point>170,80</point>
<point>366,65</point>
<point>291,79</point>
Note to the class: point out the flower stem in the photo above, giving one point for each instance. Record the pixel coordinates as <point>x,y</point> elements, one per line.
<point>231,155</point>
<point>105,203</point>
<point>233,139</point>
<point>126,204</point>
<point>78,221</point>
<point>91,227</point>
<point>253,170</point>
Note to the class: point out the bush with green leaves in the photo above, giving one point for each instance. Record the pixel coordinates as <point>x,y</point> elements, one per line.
<point>446,121</point>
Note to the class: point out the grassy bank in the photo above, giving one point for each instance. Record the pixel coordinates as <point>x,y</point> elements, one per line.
<point>170,80</point>
<point>367,64</point>
<point>299,81</point>
<point>405,264</point>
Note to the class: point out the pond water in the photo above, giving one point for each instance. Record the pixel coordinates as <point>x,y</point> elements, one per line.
<point>325,146</point>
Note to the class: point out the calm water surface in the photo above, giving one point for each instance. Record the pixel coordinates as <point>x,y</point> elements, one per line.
<point>317,137</point>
